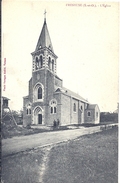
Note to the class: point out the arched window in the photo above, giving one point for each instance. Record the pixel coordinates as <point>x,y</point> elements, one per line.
<point>52,65</point>
<point>54,109</point>
<point>37,63</point>
<point>36,59</point>
<point>49,62</point>
<point>41,61</point>
<point>39,93</point>
<point>27,111</point>
<point>53,106</point>
<point>89,113</point>
<point>74,107</point>
<point>51,110</point>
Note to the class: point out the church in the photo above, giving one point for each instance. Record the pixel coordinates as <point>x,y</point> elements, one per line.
<point>48,100</point>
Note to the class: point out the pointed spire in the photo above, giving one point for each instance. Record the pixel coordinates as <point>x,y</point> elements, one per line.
<point>44,38</point>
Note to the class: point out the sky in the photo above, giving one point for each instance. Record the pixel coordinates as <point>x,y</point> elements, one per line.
<point>85,39</point>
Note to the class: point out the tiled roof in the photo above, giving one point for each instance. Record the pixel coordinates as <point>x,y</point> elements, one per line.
<point>58,77</point>
<point>70,93</point>
<point>92,106</point>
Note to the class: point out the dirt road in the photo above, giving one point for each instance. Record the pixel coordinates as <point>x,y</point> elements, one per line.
<point>23,143</point>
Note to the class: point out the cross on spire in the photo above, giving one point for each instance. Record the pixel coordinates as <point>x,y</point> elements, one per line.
<point>45,15</point>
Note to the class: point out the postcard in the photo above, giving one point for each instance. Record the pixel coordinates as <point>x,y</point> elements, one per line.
<point>59,91</point>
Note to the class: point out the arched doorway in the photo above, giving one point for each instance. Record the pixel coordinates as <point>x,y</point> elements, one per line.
<point>39,118</point>
<point>38,115</point>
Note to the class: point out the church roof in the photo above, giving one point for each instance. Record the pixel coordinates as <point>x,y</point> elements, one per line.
<point>44,38</point>
<point>71,93</point>
<point>92,106</point>
<point>58,77</point>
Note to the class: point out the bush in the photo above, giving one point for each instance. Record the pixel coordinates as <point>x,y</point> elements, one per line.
<point>106,117</point>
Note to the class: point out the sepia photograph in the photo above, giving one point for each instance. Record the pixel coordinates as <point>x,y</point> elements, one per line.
<point>60,80</point>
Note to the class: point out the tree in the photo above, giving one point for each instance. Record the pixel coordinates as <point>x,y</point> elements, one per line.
<point>107,116</point>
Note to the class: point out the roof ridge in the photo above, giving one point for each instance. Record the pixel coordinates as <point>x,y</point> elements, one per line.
<point>73,94</point>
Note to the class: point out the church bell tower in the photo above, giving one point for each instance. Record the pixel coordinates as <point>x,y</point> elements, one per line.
<point>43,76</point>
<point>43,56</point>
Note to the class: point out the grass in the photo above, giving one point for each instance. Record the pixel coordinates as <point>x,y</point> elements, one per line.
<point>22,168</point>
<point>9,129</point>
<point>12,130</point>
<point>89,159</point>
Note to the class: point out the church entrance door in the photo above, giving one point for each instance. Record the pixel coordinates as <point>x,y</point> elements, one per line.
<point>39,118</point>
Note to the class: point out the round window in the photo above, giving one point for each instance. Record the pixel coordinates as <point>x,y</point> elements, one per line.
<point>53,102</point>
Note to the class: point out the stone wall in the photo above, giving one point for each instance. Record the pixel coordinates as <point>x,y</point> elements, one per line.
<point>65,109</point>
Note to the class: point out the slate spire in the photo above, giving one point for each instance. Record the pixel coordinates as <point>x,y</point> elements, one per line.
<point>44,38</point>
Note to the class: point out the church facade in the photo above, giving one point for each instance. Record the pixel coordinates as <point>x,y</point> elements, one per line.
<point>48,100</point>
